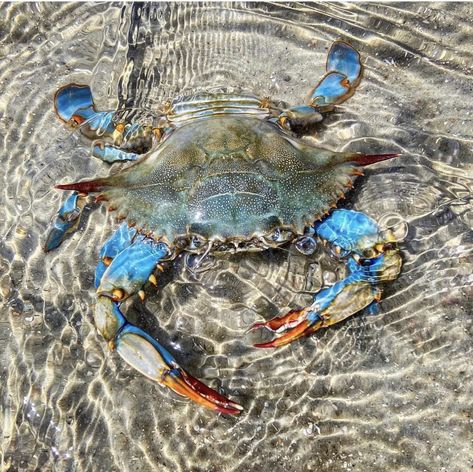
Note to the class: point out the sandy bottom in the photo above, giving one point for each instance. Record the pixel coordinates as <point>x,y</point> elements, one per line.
<point>386,392</point>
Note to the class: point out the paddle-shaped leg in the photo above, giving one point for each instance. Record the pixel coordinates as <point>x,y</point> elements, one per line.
<point>343,74</point>
<point>111,141</point>
<point>373,258</point>
<point>130,260</point>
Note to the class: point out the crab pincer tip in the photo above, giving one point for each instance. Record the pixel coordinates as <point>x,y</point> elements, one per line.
<point>266,345</point>
<point>255,326</point>
<point>186,385</point>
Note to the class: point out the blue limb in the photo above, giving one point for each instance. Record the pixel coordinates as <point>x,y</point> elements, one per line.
<point>329,91</point>
<point>343,74</point>
<point>119,241</point>
<point>66,221</point>
<point>131,268</point>
<point>110,154</point>
<point>74,104</point>
<point>344,71</point>
<point>373,258</point>
<point>350,230</point>
<point>135,258</point>
<point>344,59</point>
<point>74,100</point>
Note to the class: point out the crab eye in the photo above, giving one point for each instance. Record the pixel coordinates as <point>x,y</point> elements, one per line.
<point>196,242</point>
<point>280,235</point>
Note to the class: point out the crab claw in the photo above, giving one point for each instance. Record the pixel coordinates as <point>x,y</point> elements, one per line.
<point>147,356</point>
<point>279,324</point>
<point>294,325</point>
<point>185,385</point>
<point>373,258</point>
<point>331,305</point>
<point>128,260</point>
<point>150,358</point>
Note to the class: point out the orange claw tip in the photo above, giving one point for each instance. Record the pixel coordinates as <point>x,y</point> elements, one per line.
<point>280,323</point>
<point>186,385</point>
<point>213,395</point>
<point>266,345</point>
<point>293,332</point>
<point>255,326</point>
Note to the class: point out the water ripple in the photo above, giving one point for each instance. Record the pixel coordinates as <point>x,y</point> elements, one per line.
<point>390,391</point>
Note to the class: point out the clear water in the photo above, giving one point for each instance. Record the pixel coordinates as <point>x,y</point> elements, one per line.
<point>391,391</point>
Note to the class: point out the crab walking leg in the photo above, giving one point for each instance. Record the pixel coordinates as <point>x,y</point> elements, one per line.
<point>373,258</point>
<point>66,222</point>
<point>343,74</point>
<point>124,276</point>
<point>112,142</point>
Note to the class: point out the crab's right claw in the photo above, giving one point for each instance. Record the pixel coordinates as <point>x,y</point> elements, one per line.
<point>66,222</point>
<point>331,305</point>
<point>344,71</point>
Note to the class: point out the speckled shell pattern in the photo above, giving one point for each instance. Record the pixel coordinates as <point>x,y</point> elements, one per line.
<point>229,177</point>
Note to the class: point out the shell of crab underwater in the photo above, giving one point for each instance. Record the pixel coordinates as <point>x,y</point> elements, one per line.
<point>224,173</point>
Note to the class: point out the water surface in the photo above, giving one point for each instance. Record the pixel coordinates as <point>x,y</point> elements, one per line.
<point>391,391</point>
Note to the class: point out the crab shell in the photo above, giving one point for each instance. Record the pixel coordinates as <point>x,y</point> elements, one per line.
<point>222,180</point>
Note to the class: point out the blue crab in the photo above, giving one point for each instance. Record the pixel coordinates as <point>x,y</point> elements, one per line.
<point>224,173</point>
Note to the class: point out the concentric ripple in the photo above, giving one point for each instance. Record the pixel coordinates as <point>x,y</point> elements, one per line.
<point>390,392</point>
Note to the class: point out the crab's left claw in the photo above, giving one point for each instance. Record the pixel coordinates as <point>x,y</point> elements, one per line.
<point>66,221</point>
<point>373,258</point>
<point>147,356</point>
<point>127,262</point>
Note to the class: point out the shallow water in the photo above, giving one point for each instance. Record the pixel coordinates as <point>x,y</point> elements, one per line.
<point>391,391</point>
